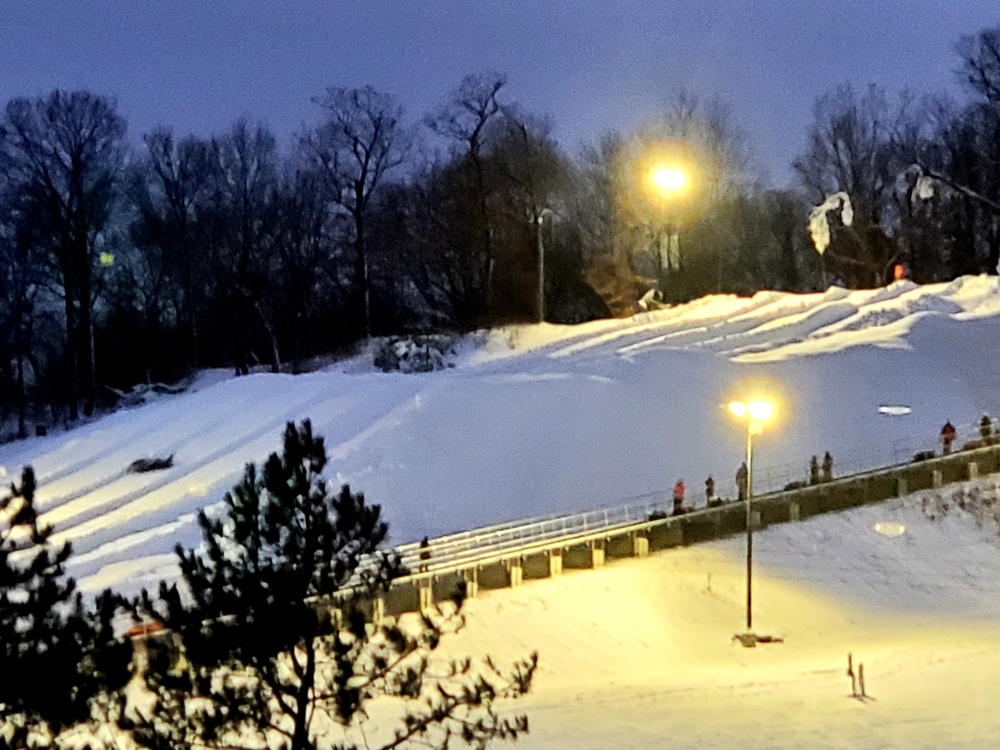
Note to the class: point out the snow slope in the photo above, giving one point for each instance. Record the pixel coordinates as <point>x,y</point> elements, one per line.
<point>639,654</point>
<point>548,418</point>
<point>542,418</point>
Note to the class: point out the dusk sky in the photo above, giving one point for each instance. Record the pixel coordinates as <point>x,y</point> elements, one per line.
<point>590,65</point>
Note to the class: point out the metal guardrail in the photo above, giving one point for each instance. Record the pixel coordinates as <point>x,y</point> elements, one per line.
<point>460,551</point>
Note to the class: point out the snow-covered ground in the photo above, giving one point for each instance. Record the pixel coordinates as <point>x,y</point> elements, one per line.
<point>639,654</point>
<point>548,418</point>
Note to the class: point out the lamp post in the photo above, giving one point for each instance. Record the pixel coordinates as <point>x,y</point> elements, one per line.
<point>669,182</point>
<point>541,264</point>
<point>755,413</point>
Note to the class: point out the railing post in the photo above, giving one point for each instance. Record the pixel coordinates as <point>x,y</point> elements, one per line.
<point>426,592</point>
<point>555,562</point>
<point>640,545</point>
<point>471,578</point>
<point>516,576</point>
<point>597,553</point>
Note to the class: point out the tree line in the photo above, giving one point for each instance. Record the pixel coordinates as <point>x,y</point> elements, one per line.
<point>125,264</point>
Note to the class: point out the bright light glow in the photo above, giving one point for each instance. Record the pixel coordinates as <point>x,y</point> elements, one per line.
<point>758,410</point>
<point>761,410</point>
<point>669,179</point>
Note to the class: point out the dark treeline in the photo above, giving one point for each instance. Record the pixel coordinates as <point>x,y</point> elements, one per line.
<point>128,263</point>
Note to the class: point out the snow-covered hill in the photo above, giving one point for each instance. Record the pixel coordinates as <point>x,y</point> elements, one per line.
<point>544,418</point>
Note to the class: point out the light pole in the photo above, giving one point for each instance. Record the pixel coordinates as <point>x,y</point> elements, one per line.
<point>541,264</point>
<point>755,413</point>
<point>668,183</point>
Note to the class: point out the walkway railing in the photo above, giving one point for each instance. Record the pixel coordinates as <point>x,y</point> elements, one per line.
<point>454,553</point>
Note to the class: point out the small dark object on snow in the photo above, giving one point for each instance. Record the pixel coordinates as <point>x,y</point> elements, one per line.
<point>142,465</point>
<point>750,640</point>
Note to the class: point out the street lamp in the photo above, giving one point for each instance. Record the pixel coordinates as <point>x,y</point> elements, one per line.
<point>667,183</point>
<point>755,413</point>
<point>541,264</point>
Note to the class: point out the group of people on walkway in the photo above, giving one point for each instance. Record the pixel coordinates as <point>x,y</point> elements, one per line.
<point>987,435</point>
<point>818,472</point>
<point>821,472</point>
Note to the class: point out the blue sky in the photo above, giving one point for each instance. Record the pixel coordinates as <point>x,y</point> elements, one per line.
<point>590,65</point>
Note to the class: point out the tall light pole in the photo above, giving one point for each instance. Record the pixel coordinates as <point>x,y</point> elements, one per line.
<point>668,182</point>
<point>755,413</point>
<point>541,264</point>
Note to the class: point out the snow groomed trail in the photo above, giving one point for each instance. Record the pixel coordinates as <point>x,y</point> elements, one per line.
<point>540,419</point>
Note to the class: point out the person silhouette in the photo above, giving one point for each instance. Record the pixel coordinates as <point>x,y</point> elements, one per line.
<point>948,433</point>
<point>827,467</point>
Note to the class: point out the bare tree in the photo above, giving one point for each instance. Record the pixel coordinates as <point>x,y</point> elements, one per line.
<point>245,181</point>
<point>465,118</point>
<point>962,158</point>
<point>527,172</point>
<point>21,274</point>
<point>609,243</point>
<point>849,150</point>
<point>63,155</point>
<point>169,185</point>
<point>980,64</point>
<point>301,278</point>
<point>361,139</point>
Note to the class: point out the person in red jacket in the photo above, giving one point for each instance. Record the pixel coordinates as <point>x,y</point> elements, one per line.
<point>947,437</point>
<point>679,497</point>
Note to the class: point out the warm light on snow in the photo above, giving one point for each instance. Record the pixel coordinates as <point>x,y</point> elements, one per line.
<point>538,419</point>
<point>891,529</point>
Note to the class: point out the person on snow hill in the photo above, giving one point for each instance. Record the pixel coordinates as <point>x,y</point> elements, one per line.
<point>827,467</point>
<point>741,482</point>
<point>814,470</point>
<point>709,492</point>
<point>947,437</point>
<point>679,497</point>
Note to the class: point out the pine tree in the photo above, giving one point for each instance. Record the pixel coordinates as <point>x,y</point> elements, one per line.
<point>261,654</point>
<point>56,655</point>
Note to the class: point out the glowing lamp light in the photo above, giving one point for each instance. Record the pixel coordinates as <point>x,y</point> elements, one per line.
<point>758,411</point>
<point>107,259</point>
<point>669,179</point>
